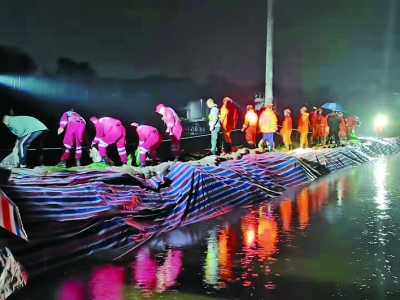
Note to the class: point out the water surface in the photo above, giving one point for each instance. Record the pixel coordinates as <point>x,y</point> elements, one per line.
<point>333,239</point>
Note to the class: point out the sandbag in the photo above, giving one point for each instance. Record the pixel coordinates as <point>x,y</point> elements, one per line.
<point>95,156</point>
<point>13,276</point>
<point>11,160</point>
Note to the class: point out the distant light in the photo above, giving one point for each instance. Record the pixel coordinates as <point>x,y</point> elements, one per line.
<point>381,121</point>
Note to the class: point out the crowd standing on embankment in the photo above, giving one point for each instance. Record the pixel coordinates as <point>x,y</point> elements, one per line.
<point>260,121</point>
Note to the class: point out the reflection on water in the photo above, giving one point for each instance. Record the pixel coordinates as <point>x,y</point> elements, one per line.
<point>335,238</point>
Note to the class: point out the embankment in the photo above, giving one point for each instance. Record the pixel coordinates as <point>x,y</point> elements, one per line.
<point>105,213</point>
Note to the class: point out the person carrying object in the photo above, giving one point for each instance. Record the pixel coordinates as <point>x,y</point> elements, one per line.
<point>76,127</point>
<point>109,131</point>
<point>27,129</point>
<point>149,140</point>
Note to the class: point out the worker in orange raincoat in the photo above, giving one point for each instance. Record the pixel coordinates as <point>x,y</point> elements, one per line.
<point>320,127</point>
<point>228,119</point>
<point>286,130</point>
<point>314,124</point>
<point>250,125</point>
<point>268,124</point>
<point>303,126</point>
<point>342,129</point>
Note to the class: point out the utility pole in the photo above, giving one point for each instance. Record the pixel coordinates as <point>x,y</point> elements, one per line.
<point>268,93</point>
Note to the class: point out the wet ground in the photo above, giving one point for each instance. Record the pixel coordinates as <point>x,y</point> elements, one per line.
<point>334,239</point>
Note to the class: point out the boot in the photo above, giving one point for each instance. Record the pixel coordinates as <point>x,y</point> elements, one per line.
<point>270,149</point>
<point>261,144</point>
<point>78,162</point>
<point>103,160</point>
<point>287,147</point>
<point>62,164</point>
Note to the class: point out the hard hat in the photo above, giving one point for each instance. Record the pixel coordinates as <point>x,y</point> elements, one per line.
<point>249,107</point>
<point>269,104</point>
<point>93,119</point>
<point>287,110</point>
<point>227,99</point>
<point>134,124</point>
<point>159,107</point>
<point>303,108</point>
<point>314,108</point>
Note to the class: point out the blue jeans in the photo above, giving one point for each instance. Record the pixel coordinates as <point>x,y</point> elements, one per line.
<point>214,139</point>
<point>269,136</point>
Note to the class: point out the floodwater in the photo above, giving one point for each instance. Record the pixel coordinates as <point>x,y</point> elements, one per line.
<point>333,239</point>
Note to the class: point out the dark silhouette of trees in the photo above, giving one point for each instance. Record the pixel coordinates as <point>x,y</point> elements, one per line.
<point>16,61</point>
<point>67,67</point>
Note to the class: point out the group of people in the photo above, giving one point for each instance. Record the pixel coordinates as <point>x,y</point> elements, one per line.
<point>108,131</point>
<point>330,128</point>
<point>264,121</point>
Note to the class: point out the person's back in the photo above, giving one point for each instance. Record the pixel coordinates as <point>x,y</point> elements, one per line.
<point>108,124</point>
<point>24,125</point>
<point>267,121</point>
<point>334,121</point>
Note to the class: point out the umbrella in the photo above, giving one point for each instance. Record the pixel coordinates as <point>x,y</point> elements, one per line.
<point>332,106</point>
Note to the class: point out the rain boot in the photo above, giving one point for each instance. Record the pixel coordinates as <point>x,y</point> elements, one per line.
<point>62,164</point>
<point>78,162</point>
<point>261,144</point>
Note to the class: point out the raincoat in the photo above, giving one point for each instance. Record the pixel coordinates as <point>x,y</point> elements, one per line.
<point>228,119</point>
<point>286,130</point>
<point>303,125</point>
<point>250,126</point>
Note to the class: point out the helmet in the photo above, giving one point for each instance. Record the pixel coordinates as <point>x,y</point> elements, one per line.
<point>303,108</point>
<point>227,99</point>
<point>269,105</point>
<point>93,119</point>
<point>249,107</point>
<point>287,110</point>
<point>134,124</point>
<point>159,107</point>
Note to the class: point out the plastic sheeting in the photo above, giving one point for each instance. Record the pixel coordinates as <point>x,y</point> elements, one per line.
<point>69,215</point>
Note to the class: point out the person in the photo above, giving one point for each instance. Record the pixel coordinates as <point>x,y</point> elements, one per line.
<point>314,124</point>
<point>334,127</point>
<point>214,124</point>
<point>321,126</point>
<point>27,129</point>
<point>228,119</point>
<point>286,130</point>
<point>76,127</point>
<point>342,127</point>
<point>303,125</point>
<point>351,124</point>
<point>109,131</point>
<point>149,140</point>
<point>174,127</point>
<point>250,126</point>
<point>268,124</point>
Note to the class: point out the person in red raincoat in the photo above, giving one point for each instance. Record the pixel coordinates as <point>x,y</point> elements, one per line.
<point>286,130</point>
<point>174,127</point>
<point>228,119</point>
<point>320,126</point>
<point>250,125</point>
<point>303,126</point>
<point>149,140</point>
<point>314,124</point>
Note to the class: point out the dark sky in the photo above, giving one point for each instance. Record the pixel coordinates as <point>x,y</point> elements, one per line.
<point>316,42</point>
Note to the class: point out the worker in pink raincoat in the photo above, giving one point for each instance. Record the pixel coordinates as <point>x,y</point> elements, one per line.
<point>149,140</point>
<point>76,127</point>
<point>109,131</point>
<point>174,127</point>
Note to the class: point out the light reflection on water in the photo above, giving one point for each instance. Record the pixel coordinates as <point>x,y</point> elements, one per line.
<point>335,238</point>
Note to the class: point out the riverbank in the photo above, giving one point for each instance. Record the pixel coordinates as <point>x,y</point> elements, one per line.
<point>71,214</point>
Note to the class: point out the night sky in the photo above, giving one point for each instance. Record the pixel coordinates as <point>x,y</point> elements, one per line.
<point>334,44</point>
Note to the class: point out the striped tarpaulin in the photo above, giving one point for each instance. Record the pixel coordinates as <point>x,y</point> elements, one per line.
<point>70,215</point>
